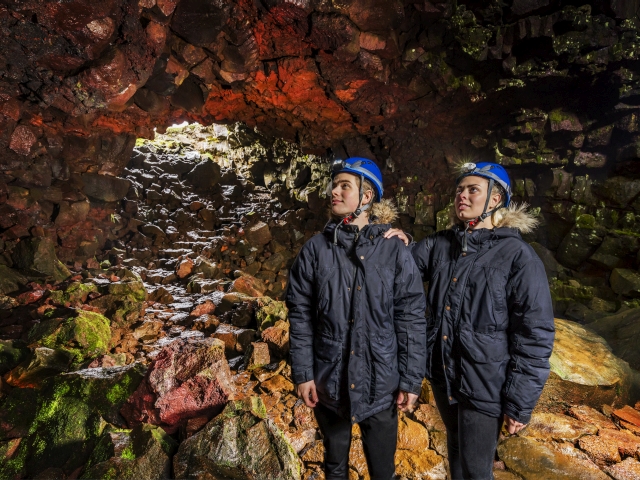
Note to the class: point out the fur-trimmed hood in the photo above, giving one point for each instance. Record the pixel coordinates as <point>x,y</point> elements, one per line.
<point>384,211</point>
<point>514,216</point>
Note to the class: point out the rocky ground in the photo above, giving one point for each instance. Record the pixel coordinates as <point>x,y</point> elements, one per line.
<point>166,355</point>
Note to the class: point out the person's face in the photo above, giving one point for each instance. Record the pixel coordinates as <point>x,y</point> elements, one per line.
<point>471,195</point>
<point>345,194</point>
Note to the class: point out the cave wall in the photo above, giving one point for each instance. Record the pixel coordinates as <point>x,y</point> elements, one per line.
<point>548,88</point>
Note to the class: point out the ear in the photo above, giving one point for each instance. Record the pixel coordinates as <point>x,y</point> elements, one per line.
<point>367,197</point>
<point>495,200</point>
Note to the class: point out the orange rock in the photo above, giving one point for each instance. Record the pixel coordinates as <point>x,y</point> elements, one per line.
<point>205,308</point>
<point>277,384</point>
<point>630,426</point>
<point>551,426</point>
<point>627,442</point>
<point>184,268</point>
<point>628,469</point>
<point>249,286</point>
<point>429,416</point>
<point>412,435</point>
<point>315,453</point>
<point>628,414</point>
<point>601,450</point>
<point>299,438</point>
<point>357,460</point>
<point>591,415</point>
<point>303,416</point>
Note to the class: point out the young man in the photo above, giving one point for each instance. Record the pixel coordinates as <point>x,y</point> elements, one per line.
<point>358,331</point>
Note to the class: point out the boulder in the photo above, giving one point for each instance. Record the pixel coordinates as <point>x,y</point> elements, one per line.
<point>558,427</point>
<point>121,301</point>
<point>204,175</point>
<point>141,453</point>
<point>10,280</point>
<point>257,355</point>
<point>551,265</point>
<point>69,411</point>
<point>258,234</point>
<point>84,336</point>
<point>11,354</point>
<point>188,379</point>
<point>75,294</point>
<point>105,188</point>
<point>536,460</point>
<point>249,286</point>
<point>622,332</point>
<point>269,311</point>
<point>583,371</point>
<point>414,458</point>
<point>625,282</point>
<point>241,442</point>
<point>277,337</point>
<point>580,243</point>
<point>236,340</point>
<point>40,365</point>
<point>37,256</point>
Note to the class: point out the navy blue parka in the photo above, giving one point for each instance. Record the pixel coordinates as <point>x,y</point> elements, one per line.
<point>490,309</point>
<point>357,317</point>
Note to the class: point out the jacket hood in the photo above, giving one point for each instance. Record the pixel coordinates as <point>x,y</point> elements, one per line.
<point>514,216</point>
<point>384,211</point>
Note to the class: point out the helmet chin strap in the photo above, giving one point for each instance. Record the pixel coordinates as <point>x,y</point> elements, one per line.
<point>473,222</point>
<point>352,216</point>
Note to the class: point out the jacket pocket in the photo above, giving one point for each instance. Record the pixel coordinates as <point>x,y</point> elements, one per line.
<point>327,366</point>
<point>384,365</point>
<point>483,364</point>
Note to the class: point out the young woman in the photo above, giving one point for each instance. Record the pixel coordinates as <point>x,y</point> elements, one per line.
<point>358,332</point>
<point>490,323</point>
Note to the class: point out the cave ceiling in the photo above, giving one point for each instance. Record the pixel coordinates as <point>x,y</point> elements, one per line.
<point>354,76</point>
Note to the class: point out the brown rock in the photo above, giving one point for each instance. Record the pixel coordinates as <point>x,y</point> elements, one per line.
<point>206,308</point>
<point>628,414</point>
<point>303,416</point>
<point>412,435</point>
<point>601,451</point>
<point>206,324</point>
<point>277,384</point>
<point>263,374</point>
<point>592,416</point>
<point>22,139</point>
<point>414,459</point>
<point>184,268</point>
<point>315,453</point>
<point>249,286</point>
<point>429,416</point>
<point>551,426</point>
<point>627,442</point>
<point>277,337</point>
<point>535,460</point>
<point>258,234</point>
<point>628,469</point>
<point>236,340</point>
<point>630,426</point>
<point>257,355</point>
<point>187,379</point>
<point>299,439</point>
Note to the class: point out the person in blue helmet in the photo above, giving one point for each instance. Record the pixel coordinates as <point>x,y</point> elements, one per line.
<point>357,325</point>
<point>490,325</point>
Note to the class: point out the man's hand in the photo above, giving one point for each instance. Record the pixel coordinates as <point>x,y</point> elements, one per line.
<point>307,392</point>
<point>512,425</point>
<point>396,232</point>
<point>406,401</point>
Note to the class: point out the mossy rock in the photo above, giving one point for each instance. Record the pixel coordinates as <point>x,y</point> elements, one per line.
<point>74,294</point>
<point>143,452</point>
<point>37,256</point>
<point>41,364</point>
<point>12,352</point>
<point>70,413</point>
<point>10,280</point>
<point>86,335</point>
<point>239,443</point>
<point>269,311</point>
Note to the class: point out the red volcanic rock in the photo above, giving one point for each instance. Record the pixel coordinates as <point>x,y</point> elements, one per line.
<point>249,285</point>
<point>628,414</point>
<point>184,268</point>
<point>22,140</point>
<point>188,379</point>
<point>203,309</point>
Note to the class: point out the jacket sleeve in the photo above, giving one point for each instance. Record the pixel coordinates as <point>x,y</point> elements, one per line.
<point>421,252</point>
<point>299,299</point>
<point>410,323</point>
<point>531,334</point>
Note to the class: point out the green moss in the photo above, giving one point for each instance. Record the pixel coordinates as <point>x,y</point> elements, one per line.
<point>75,293</point>
<point>586,221</point>
<point>119,392</point>
<point>128,453</point>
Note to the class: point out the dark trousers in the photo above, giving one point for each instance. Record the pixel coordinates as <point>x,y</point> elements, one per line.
<point>472,438</point>
<point>379,439</point>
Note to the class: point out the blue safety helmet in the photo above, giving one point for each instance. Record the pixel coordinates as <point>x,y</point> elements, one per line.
<point>362,167</point>
<point>491,171</point>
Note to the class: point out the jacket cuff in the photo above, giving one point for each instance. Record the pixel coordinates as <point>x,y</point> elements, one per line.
<point>512,411</point>
<point>302,377</point>
<point>409,386</point>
